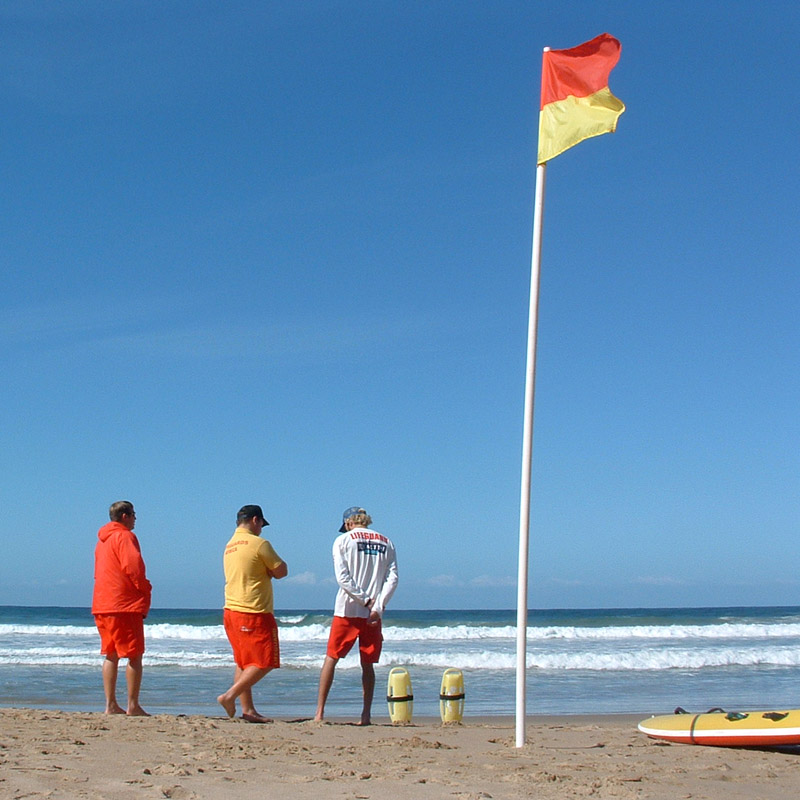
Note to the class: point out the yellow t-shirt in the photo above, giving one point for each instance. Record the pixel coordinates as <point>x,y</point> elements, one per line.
<point>248,584</point>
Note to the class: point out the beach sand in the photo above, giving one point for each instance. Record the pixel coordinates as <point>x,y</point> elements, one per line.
<point>55,754</point>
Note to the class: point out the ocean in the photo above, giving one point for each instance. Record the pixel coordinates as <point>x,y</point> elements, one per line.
<point>587,661</point>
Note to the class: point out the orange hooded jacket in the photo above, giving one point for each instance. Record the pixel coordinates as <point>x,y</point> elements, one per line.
<point>120,583</point>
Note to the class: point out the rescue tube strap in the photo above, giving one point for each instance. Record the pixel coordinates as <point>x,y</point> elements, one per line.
<point>452,696</point>
<point>398,698</point>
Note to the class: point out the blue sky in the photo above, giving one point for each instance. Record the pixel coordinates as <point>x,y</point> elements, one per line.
<point>279,253</point>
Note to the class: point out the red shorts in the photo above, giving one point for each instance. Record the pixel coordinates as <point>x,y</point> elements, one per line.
<point>254,639</point>
<point>345,631</point>
<point>121,634</point>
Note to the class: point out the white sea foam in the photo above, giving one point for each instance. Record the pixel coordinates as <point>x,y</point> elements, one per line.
<point>719,631</point>
<point>291,631</point>
<point>640,660</point>
<point>666,658</point>
<point>588,634</point>
<point>291,620</point>
<point>554,648</point>
<point>582,663</point>
<point>48,630</point>
<point>457,633</point>
<point>185,632</point>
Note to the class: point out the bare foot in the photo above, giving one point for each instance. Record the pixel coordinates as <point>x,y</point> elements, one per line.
<point>137,711</point>
<point>364,722</point>
<point>255,717</point>
<point>114,708</point>
<point>228,705</point>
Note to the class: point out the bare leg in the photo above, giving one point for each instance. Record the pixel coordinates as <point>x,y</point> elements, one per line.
<point>246,701</point>
<point>325,683</point>
<point>246,697</point>
<point>243,681</point>
<point>368,687</point>
<point>110,669</point>
<point>133,675</point>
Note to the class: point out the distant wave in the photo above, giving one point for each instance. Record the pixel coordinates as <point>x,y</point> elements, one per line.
<point>726,630</point>
<point>293,631</point>
<point>667,658</point>
<point>632,632</point>
<point>47,630</point>
<point>647,659</point>
<point>582,661</point>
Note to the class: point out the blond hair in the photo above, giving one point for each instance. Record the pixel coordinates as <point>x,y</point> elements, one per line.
<point>360,520</point>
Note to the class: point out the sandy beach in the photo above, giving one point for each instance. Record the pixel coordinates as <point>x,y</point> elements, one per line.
<point>54,754</point>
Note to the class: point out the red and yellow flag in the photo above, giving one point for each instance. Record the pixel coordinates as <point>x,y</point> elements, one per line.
<point>576,101</point>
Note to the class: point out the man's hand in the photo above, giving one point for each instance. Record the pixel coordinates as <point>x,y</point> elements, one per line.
<point>281,571</point>
<point>374,618</point>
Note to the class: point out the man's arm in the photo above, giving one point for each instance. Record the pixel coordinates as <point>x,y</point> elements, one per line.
<point>387,590</point>
<point>281,571</point>
<point>345,578</point>
<point>275,565</point>
<point>132,565</point>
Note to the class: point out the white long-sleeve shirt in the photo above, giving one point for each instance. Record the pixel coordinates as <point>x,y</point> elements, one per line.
<point>365,565</point>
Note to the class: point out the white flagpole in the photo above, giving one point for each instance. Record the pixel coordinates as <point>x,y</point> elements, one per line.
<point>527,452</point>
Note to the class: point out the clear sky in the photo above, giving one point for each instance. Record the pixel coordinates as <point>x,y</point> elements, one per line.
<point>279,253</point>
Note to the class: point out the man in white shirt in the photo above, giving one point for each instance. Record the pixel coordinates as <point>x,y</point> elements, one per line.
<point>366,570</point>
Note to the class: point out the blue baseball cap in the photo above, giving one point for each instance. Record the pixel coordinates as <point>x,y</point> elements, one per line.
<point>349,513</point>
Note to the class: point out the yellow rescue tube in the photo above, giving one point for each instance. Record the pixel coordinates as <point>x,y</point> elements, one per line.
<point>451,696</point>
<point>399,696</point>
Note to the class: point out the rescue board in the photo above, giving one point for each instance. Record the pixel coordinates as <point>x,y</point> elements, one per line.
<point>726,729</point>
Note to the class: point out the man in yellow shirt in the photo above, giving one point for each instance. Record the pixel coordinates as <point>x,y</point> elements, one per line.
<point>250,565</point>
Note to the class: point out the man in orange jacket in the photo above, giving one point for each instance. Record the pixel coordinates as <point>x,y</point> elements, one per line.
<point>120,604</point>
